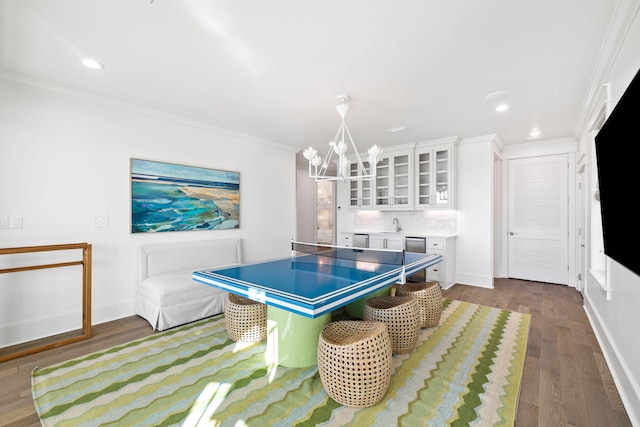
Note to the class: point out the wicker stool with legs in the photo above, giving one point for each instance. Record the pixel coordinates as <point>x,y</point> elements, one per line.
<point>246,319</point>
<point>354,362</point>
<point>429,296</point>
<point>402,317</point>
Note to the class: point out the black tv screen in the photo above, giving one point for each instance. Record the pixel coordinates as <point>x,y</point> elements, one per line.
<point>616,146</point>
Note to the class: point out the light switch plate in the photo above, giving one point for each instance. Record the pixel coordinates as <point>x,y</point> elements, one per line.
<point>16,222</point>
<point>101,221</point>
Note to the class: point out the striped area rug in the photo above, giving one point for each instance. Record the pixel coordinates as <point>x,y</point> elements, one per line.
<point>466,371</point>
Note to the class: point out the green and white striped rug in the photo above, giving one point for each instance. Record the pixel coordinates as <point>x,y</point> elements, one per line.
<point>466,371</point>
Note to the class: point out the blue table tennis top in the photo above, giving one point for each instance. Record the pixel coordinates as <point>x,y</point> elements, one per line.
<point>311,285</point>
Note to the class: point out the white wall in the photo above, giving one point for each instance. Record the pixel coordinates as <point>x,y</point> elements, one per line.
<point>64,159</point>
<point>616,321</point>
<point>474,246</point>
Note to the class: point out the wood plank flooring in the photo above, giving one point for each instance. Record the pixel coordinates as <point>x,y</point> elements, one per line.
<point>566,381</point>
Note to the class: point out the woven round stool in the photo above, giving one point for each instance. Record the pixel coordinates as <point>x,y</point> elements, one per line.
<point>402,317</point>
<point>354,362</point>
<point>429,296</point>
<point>246,319</point>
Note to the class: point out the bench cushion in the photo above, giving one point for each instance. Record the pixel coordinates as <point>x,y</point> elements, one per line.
<point>167,295</point>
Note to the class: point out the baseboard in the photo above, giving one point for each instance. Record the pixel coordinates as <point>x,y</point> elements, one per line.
<point>25,330</point>
<point>115,311</point>
<point>34,328</point>
<point>474,280</point>
<point>627,387</point>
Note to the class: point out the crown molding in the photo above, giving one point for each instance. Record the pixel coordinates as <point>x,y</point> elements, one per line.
<point>540,148</point>
<point>20,81</point>
<point>624,15</point>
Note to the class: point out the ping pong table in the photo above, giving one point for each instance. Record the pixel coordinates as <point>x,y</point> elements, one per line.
<point>303,290</point>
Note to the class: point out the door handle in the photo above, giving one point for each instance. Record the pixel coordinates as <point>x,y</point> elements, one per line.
<point>512,233</point>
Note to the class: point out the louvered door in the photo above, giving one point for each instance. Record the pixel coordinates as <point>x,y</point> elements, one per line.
<point>538,221</point>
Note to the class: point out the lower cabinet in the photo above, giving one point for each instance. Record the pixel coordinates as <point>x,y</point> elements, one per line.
<point>444,271</point>
<point>345,239</point>
<point>386,241</point>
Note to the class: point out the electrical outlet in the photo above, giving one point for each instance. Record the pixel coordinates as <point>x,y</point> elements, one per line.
<point>4,222</point>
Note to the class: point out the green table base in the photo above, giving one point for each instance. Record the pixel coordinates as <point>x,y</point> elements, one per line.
<point>292,339</point>
<point>356,308</point>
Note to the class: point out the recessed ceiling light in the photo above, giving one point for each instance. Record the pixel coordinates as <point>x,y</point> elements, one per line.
<point>499,100</point>
<point>398,129</point>
<point>535,133</point>
<point>92,63</point>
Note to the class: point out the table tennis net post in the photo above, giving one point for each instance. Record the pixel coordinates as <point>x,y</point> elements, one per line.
<point>379,256</point>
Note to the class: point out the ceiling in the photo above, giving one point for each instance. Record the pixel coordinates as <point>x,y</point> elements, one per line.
<point>273,69</point>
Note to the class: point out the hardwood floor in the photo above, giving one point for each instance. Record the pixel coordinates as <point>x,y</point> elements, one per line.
<point>566,381</point>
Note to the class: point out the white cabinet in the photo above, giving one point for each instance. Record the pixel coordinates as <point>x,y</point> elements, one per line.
<point>386,241</point>
<point>411,176</point>
<point>346,239</point>
<point>435,174</point>
<point>360,191</point>
<point>393,185</point>
<point>444,271</point>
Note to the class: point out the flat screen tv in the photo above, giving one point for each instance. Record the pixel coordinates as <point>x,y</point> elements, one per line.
<point>619,178</point>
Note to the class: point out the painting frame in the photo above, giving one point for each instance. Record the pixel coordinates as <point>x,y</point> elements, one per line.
<point>175,197</point>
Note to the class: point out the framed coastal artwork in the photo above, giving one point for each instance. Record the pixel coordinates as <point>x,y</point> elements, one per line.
<point>171,197</point>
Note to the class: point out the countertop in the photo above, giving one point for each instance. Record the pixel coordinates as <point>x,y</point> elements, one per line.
<point>401,233</point>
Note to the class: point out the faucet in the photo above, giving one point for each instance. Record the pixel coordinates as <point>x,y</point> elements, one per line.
<point>397,224</point>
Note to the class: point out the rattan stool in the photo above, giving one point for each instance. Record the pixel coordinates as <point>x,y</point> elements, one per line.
<point>402,316</point>
<point>246,319</point>
<point>354,362</point>
<point>429,296</point>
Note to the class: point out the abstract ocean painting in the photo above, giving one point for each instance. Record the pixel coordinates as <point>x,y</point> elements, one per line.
<point>170,197</point>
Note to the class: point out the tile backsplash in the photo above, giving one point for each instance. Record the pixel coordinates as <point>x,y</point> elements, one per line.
<point>419,222</point>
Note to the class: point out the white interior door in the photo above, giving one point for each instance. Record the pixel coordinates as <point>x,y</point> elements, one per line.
<point>537,218</point>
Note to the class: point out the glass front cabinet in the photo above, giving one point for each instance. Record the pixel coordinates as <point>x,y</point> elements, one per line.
<point>393,182</point>
<point>360,191</point>
<point>435,174</point>
<point>410,176</point>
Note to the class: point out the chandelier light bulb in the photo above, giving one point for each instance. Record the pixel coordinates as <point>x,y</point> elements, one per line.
<point>310,153</point>
<point>375,151</point>
<point>340,148</point>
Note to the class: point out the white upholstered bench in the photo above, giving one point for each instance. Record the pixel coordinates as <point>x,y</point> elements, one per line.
<point>167,295</point>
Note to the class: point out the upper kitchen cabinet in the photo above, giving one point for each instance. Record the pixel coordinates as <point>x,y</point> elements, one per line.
<point>435,174</point>
<point>393,185</point>
<point>360,191</point>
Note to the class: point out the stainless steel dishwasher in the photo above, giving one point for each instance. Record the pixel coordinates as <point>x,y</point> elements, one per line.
<point>360,240</point>
<point>418,245</point>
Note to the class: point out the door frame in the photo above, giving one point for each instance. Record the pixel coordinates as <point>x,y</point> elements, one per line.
<point>581,226</point>
<point>567,146</point>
